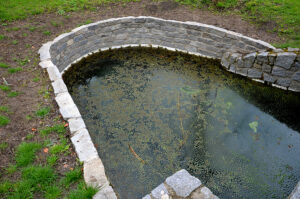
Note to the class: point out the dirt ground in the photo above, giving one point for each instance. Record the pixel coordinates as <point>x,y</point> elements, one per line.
<point>23,44</point>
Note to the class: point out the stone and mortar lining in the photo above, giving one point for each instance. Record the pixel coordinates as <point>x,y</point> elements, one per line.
<point>190,37</point>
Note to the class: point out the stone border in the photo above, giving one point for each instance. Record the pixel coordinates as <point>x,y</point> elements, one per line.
<point>190,37</point>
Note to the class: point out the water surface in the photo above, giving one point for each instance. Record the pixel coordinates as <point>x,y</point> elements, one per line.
<point>151,113</point>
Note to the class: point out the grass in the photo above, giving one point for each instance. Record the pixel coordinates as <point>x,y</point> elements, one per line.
<point>3,146</point>
<point>3,65</point>
<point>58,128</point>
<point>42,112</point>
<point>71,177</point>
<point>4,88</point>
<point>2,37</point>
<point>25,153</point>
<point>82,192</point>
<point>4,109</point>
<point>13,94</point>
<point>47,33</point>
<point>14,70</point>
<point>4,121</point>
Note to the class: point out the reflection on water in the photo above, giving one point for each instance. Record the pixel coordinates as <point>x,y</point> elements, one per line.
<point>151,113</point>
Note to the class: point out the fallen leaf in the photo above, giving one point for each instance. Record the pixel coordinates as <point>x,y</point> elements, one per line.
<point>66,124</point>
<point>34,129</point>
<point>71,169</point>
<point>45,150</point>
<point>66,166</point>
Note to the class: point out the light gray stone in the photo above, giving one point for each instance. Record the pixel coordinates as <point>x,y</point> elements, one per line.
<point>285,82</point>
<point>262,57</point>
<point>266,68</point>
<point>70,111</point>
<point>296,76</point>
<point>84,146</point>
<point>225,62</point>
<point>59,86</point>
<point>295,86</point>
<point>146,197</point>
<point>253,73</point>
<point>292,49</point>
<point>285,60</point>
<point>249,60</point>
<point>94,173</point>
<point>297,65</point>
<point>277,50</point>
<point>44,51</point>
<point>232,68</point>
<point>241,71</point>
<point>257,66</point>
<point>160,192</point>
<point>46,64</point>
<point>296,192</point>
<point>183,183</point>
<point>53,73</point>
<point>76,124</point>
<point>203,193</point>
<point>106,192</point>
<point>64,99</point>
<point>269,78</point>
<point>281,72</point>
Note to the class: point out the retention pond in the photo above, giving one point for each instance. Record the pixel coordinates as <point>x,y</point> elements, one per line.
<point>151,112</point>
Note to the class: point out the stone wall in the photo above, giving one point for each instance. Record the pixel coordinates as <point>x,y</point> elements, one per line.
<point>193,37</point>
<point>277,67</point>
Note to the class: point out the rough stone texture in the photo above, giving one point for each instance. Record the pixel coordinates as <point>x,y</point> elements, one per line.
<point>281,72</point>
<point>254,73</point>
<point>76,124</point>
<point>64,99</point>
<point>84,146</point>
<point>266,68</point>
<point>203,193</point>
<point>295,86</point>
<point>268,78</point>
<point>106,192</point>
<point>183,183</point>
<point>296,192</point>
<point>46,64</point>
<point>146,197</point>
<point>296,76</point>
<point>249,60</point>
<point>262,57</point>
<point>70,111</point>
<point>285,60</point>
<point>59,86</point>
<point>53,73</point>
<point>160,192</point>
<point>285,82</point>
<point>94,173</point>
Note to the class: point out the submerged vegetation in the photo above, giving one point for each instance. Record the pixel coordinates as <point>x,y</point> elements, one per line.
<point>159,111</point>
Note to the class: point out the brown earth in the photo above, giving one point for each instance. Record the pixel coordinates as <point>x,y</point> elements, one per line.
<point>33,95</point>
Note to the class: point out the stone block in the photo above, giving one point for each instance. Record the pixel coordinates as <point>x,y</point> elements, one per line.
<point>94,173</point>
<point>75,124</point>
<point>53,73</point>
<point>225,62</point>
<point>241,71</point>
<point>296,76</point>
<point>285,60</point>
<point>183,183</point>
<point>84,146</point>
<point>262,57</point>
<point>106,192</point>
<point>297,65</point>
<point>253,73</point>
<point>146,197</point>
<point>269,78</point>
<point>257,66</point>
<point>249,60</point>
<point>59,86</point>
<point>281,72</point>
<point>289,49</point>
<point>44,51</point>
<point>232,68</point>
<point>203,193</point>
<point>285,82</point>
<point>295,86</point>
<point>266,68</point>
<point>46,64</point>
<point>296,192</point>
<point>160,192</point>
<point>70,111</point>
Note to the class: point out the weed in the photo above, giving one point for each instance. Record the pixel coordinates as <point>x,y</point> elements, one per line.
<point>52,192</point>
<point>2,37</point>
<point>12,29</point>
<point>4,109</point>
<point>25,153</point>
<point>29,136</point>
<point>14,42</point>
<point>32,28</point>
<point>38,175</point>
<point>36,79</point>
<point>28,117</point>
<point>13,94</point>
<point>5,186</point>
<point>42,112</point>
<point>3,65</point>
<point>25,34</point>
<point>11,169</point>
<point>4,88</point>
<point>85,22</point>
<point>3,146</point>
<point>14,70</point>
<point>82,191</point>
<point>59,148</point>
<point>51,160</point>
<point>3,121</point>
<point>47,32</point>
<point>59,128</point>
<point>61,12</point>
<point>22,189</point>
<point>23,62</point>
<point>71,177</point>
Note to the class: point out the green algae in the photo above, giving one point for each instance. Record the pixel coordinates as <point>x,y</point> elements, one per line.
<point>180,111</point>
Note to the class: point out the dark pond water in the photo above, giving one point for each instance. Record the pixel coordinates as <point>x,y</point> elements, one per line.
<point>151,113</point>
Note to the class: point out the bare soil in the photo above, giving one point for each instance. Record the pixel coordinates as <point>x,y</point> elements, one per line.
<point>32,35</point>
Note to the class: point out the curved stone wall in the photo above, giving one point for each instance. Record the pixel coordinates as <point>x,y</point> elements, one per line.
<point>194,38</point>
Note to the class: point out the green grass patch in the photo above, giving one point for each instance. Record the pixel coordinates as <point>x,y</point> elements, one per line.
<point>25,153</point>
<point>4,109</point>
<point>51,160</point>
<point>59,148</point>
<point>42,112</point>
<point>47,33</point>
<point>3,121</point>
<point>36,79</point>
<point>71,177</point>
<point>4,88</point>
<point>11,169</point>
<point>58,128</point>
<point>14,42</point>
<point>3,65</point>
<point>82,192</point>
<point>14,70</point>
<point>5,187</point>
<point>29,136</point>
<point>2,37</point>
<point>38,175</point>
<point>13,94</point>
<point>52,192</point>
